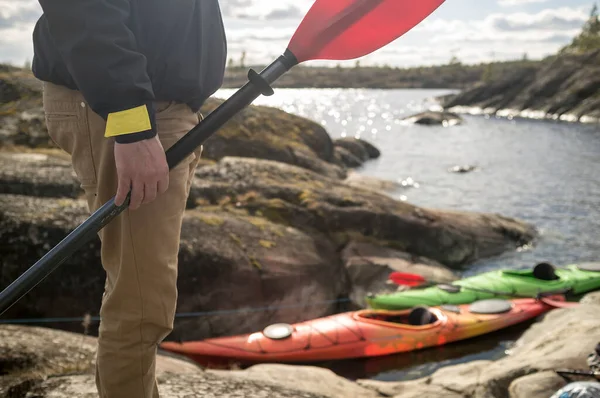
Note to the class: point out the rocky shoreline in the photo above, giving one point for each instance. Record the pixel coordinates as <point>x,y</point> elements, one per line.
<point>566,88</point>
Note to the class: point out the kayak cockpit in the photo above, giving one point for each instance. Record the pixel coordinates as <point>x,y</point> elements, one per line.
<point>541,271</point>
<point>418,316</point>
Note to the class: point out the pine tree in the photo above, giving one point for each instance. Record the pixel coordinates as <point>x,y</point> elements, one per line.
<point>589,38</point>
<point>243,59</point>
<point>488,73</point>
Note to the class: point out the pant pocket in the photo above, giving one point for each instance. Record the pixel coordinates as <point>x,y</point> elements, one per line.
<point>70,133</point>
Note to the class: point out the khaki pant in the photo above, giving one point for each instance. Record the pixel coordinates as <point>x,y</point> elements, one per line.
<point>139,248</point>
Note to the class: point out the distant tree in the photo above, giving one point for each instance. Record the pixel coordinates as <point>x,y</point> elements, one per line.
<point>357,64</point>
<point>27,65</point>
<point>243,60</point>
<point>488,72</point>
<point>231,63</point>
<point>589,38</point>
<point>454,60</point>
<point>525,57</point>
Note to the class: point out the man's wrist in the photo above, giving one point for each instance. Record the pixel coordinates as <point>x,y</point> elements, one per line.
<point>135,137</point>
<point>131,125</point>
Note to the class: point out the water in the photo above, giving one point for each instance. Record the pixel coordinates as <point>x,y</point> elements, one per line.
<point>546,173</point>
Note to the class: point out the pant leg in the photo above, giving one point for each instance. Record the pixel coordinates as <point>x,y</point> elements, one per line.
<point>139,248</point>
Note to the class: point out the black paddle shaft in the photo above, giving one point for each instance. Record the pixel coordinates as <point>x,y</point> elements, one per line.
<point>258,84</point>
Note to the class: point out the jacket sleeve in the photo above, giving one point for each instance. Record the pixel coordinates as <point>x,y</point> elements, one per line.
<point>101,55</point>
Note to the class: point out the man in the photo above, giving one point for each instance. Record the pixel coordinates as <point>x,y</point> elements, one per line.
<point>123,81</point>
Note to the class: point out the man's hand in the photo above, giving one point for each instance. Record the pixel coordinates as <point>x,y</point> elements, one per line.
<point>141,166</point>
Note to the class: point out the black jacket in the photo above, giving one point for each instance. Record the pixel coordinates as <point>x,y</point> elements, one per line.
<point>122,54</point>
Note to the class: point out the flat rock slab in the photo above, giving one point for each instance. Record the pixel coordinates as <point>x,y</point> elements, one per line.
<point>270,133</point>
<point>40,362</point>
<point>370,265</point>
<point>308,379</point>
<point>367,182</point>
<point>228,261</point>
<point>537,385</point>
<point>311,202</point>
<point>37,174</point>
<point>170,386</point>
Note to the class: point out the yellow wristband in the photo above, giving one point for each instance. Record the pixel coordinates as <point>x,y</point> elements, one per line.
<point>129,121</point>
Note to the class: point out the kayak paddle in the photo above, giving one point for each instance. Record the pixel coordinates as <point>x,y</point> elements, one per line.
<point>332,29</point>
<point>411,280</point>
<point>414,280</point>
<point>576,372</point>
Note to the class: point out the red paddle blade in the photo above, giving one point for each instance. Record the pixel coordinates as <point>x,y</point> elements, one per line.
<point>347,29</point>
<point>411,280</point>
<point>558,302</point>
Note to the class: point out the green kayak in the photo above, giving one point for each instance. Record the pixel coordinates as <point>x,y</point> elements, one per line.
<point>544,277</point>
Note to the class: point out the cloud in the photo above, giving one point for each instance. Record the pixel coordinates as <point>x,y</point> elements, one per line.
<point>17,13</point>
<point>265,9</point>
<point>291,12</point>
<point>551,19</point>
<point>516,27</point>
<point>508,3</point>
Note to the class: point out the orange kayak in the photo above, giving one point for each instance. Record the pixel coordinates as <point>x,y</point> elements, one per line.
<point>365,333</point>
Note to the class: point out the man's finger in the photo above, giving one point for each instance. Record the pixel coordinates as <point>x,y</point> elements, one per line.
<point>150,192</point>
<point>163,184</point>
<point>137,194</point>
<point>122,189</point>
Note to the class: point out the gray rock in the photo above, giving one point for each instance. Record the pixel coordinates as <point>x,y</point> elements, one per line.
<point>37,174</point>
<point>369,267</point>
<point>232,261</point>
<point>9,91</point>
<point>462,169</point>
<point>228,261</point>
<point>372,150</point>
<point>28,355</point>
<point>269,133</point>
<point>312,163</point>
<point>435,118</point>
<point>311,202</point>
<point>373,183</point>
<point>345,158</point>
<point>203,385</point>
<point>591,298</point>
<point>26,127</point>
<point>42,362</point>
<point>537,385</point>
<point>308,379</point>
<point>354,146</point>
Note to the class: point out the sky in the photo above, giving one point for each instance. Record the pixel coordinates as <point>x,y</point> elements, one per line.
<point>471,30</point>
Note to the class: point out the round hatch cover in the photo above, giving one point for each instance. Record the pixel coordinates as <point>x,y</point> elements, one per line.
<point>449,288</point>
<point>490,306</point>
<point>278,331</point>
<point>595,267</point>
<point>451,308</point>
